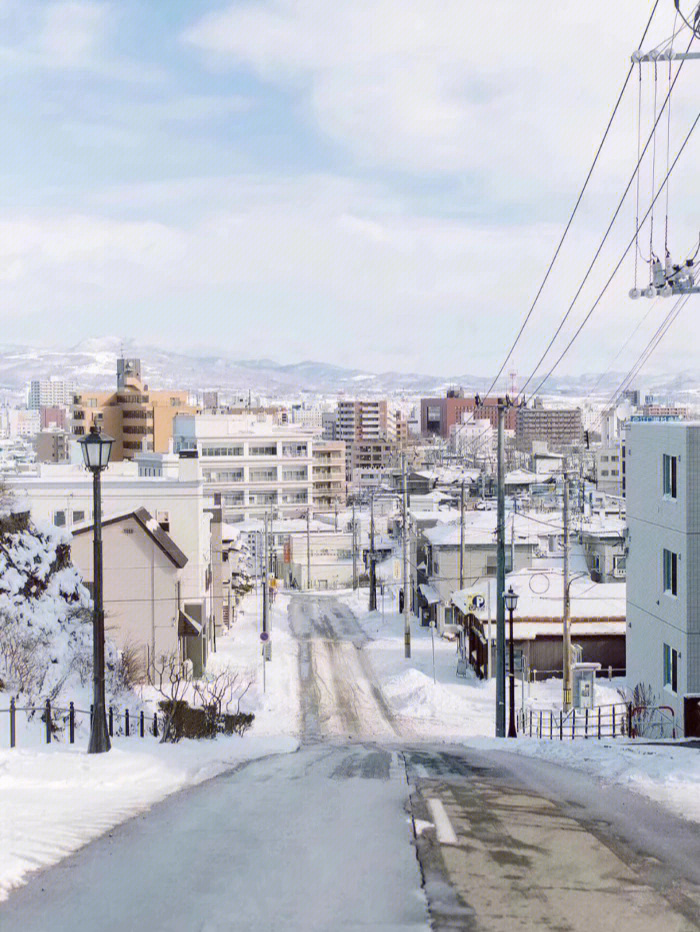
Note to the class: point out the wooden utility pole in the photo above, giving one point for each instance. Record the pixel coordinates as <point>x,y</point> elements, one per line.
<point>501,583</point>
<point>308,548</point>
<point>461,536</point>
<point>406,595</point>
<point>566,614</point>
<point>354,549</point>
<point>372,568</point>
<point>265,570</point>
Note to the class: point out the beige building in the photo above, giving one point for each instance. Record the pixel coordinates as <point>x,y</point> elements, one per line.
<point>142,588</point>
<point>52,446</point>
<point>328,475</point>
<point>135,416</point>
<point>370,420</point>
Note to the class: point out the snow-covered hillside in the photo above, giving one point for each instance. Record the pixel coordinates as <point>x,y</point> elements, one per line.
<point>45,621</point>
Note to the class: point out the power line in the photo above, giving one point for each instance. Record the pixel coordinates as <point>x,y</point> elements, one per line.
<point>614,272</point>
<point>576,206</point>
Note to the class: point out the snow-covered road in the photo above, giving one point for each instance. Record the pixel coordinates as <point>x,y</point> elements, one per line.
<point>340,695</point>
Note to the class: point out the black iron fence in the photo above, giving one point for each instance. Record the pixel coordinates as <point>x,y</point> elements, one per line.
<point>59,722</point>
<point>603,721</point>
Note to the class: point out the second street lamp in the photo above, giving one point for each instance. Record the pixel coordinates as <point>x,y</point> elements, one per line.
<point>96,451</point>
<point>511,600</point>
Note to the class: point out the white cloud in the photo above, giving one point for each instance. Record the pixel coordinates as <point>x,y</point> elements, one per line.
<point>442,87</point>
<point>315,267</point>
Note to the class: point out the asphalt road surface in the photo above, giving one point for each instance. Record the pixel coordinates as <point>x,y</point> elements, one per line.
<point>376,833</point>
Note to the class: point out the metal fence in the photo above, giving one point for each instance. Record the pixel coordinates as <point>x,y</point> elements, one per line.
<point>603,721</point>
<point>59,722</point>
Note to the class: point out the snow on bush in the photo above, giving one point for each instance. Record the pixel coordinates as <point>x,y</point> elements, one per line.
<point>45,616</point>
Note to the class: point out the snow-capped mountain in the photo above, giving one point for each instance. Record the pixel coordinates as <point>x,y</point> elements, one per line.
<point>92,364</point>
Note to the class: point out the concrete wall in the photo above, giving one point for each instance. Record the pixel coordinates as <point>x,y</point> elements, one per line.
<point>656,522</point>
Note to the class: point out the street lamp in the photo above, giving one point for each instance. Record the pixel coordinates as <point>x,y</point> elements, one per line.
<point>511,600</point>
<point>96,451</point>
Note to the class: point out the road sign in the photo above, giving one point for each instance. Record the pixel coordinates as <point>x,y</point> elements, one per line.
<point>264,636</point>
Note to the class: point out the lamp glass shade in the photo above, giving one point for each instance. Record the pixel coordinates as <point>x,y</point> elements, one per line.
<point>511,599</point>
<point>97,449</point>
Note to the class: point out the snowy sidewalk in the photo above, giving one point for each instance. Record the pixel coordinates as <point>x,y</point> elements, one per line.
<point>53,800</point>
<point>56,798</point>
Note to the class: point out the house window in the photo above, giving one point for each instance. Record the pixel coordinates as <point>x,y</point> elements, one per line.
<point>78,516</point>
<point>619,565</point>
<point>670,668</point>
<point>59,518</point>
<point>670,572</point>
<point>670,476</point>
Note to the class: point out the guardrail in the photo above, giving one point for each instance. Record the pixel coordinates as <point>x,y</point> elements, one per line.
<point>57,720</point>
<point>652,722</point>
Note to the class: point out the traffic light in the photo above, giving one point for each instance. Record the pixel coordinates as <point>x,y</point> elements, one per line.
<point>401,601</point>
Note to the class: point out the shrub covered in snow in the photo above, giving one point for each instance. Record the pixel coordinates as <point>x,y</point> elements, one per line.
<point>45,617</point>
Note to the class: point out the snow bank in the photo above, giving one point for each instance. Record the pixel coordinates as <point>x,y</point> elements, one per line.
<point>664,772</point>
<point>54,800</point>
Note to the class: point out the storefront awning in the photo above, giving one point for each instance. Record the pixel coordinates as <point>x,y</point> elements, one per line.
<point>187,627</point>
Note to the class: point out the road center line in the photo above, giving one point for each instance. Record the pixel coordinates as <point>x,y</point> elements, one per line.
<point>443,827</point>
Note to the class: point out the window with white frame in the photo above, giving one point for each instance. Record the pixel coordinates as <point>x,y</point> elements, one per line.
<point>670,571</point>
<point>670,668</point>
<point>670,476</point>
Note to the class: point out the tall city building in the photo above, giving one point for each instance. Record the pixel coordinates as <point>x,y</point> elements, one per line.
<point>557,427</point>
<point>439,415</point>
<point>49,393</point>
<point>253,466</point>
<point>137,417</point>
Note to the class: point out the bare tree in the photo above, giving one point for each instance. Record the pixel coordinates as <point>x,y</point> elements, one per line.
<point>169,679</point>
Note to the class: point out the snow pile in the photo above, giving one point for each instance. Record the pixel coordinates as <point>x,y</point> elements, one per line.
<point>273,693</point>
<point>45,621</point>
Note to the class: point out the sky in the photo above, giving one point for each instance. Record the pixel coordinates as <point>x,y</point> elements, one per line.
<point>373,183</point>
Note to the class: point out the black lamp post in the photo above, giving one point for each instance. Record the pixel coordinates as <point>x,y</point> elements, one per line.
<point>96,451</point>
<point>511,600</point>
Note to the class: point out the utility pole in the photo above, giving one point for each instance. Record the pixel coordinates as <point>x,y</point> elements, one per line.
<point>308,548</point>
<point>372,568</point>
<point>461,536</point>
<point>566,619</point>
<point>501,583</point>
<point>406,597</point>
<point>264,581</point>
<point>354,549</point>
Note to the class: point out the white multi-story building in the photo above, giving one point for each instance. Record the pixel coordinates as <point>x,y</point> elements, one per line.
<point>252,466</point>
<point>24,422</point>
<point>307,416</point>
<point>48,393</point>
<point>663,563</point>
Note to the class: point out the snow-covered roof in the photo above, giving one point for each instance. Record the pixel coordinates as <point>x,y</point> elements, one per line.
<point>480,529</point>
<point>521,477</point>
<point>540,596</point>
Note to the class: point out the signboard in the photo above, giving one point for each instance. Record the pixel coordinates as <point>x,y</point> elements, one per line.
<point>517,660</point>
<point>267,650</point>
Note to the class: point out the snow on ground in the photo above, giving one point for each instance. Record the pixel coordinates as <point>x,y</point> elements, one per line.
<point>454,708</point>
<point>664,772</point>
<point>451,707</point>
<point>55,799</point>
<point>275,702</point>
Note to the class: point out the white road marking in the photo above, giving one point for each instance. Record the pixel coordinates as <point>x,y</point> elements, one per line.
<point>443,826</point>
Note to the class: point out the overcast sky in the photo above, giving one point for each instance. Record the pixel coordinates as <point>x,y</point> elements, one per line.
<point>375,183</point>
